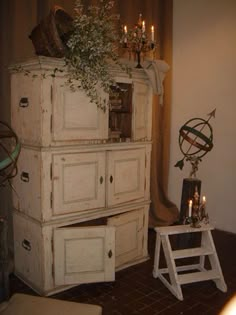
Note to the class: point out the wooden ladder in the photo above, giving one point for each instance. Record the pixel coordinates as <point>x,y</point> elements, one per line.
<point>199,272</point>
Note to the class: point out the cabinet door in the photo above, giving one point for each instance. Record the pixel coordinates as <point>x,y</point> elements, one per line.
<point>78,182</point>
<point>126,175</point>
<point>84,255</point>
<point>129,236</point>
<point>75,117</point>
<point>31,108</point>
<point>142,111</point>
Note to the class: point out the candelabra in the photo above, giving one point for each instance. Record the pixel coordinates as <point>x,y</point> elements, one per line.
<point>196,211</point>
<point>136,40</point>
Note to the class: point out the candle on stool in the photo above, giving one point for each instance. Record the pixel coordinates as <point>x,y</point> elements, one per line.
<point>143,26</point>
<point>203,200</point>
<point>190,204</point>
<point>125,31</point>
<point>152,33</point>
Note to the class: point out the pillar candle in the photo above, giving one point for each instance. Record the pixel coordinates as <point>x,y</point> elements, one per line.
<point>152,33</point>
<point>190,204</point>
<point>143,26</point>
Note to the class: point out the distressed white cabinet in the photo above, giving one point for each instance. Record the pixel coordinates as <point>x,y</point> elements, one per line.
<point>50,257</point>
<point>45,112</point>
<point>69,182</point>
<point>83,177</point>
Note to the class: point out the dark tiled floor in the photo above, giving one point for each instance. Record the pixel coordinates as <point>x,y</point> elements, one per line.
<point>136,292</point>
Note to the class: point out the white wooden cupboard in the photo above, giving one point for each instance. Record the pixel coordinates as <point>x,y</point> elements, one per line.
<point>83,192</point>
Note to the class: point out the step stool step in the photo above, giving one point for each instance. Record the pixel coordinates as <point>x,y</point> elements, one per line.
<point>198,276</point>
<point>192,252</point>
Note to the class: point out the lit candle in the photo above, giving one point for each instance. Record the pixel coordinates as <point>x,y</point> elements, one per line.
<point>190,204</point>
<point>125,31</point>
<point>152,33</point>
<point>203,200</point>
<point>143,26</point>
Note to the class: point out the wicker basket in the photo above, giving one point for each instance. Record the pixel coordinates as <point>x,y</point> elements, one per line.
<point>50,35</point>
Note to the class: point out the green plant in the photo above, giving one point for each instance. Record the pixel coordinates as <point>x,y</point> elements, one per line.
<point>92,46</point>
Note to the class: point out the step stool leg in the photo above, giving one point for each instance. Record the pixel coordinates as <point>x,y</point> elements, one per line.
<point>204,244</point>
<point>175,287</point>
<point>157,256</point>
<point>215,264</point>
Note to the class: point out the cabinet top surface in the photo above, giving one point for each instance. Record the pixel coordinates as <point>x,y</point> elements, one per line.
<point>50,63</point>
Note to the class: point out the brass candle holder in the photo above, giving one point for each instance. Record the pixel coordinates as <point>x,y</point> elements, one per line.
<point>197,211</point>
<point>137,41</point>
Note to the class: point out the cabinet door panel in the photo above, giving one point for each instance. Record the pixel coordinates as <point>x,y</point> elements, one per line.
<point>129,236</point>
<point>30,108</point>
<point>84,255</point>
<point>126,175</point>
<point>75,117</point>
<point>142,113</point>
<point>78,182</point>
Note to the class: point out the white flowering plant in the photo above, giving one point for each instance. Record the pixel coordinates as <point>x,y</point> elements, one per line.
<point>92,46</point>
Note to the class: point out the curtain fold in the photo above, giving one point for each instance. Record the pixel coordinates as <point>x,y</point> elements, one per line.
<point>162,210</point>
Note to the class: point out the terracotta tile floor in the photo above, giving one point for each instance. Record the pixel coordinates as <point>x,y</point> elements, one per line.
<point>135,291</point>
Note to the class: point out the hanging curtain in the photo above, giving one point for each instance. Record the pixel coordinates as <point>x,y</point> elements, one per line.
<point>162,210</point>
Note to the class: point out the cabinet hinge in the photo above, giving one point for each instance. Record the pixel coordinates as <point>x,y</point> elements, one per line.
<point>51,171</point>
<point>51,124</point>
<point>51,94</point>
<point>52,245</point>
<point>51,199</point>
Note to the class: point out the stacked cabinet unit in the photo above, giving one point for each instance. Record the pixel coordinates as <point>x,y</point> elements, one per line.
<point>82,188</point>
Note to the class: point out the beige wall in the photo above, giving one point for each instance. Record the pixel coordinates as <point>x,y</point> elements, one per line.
<point>204,72</point>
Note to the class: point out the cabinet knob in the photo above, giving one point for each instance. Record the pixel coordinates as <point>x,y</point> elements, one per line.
<point>111,179</point>
<point>24,102</point>
<point>101,180</point>
<point>110,253</point>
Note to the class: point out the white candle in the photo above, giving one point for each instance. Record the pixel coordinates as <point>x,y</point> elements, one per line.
<point>190,204</point>
<point>203,200</point>
<point>143,26</point>
<point>125,31</point>
<point>152,33</point>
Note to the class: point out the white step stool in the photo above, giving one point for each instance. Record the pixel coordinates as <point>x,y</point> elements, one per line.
<point>207,249</point>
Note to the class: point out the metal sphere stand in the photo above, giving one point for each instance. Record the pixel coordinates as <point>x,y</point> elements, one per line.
<point>8,169</point>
